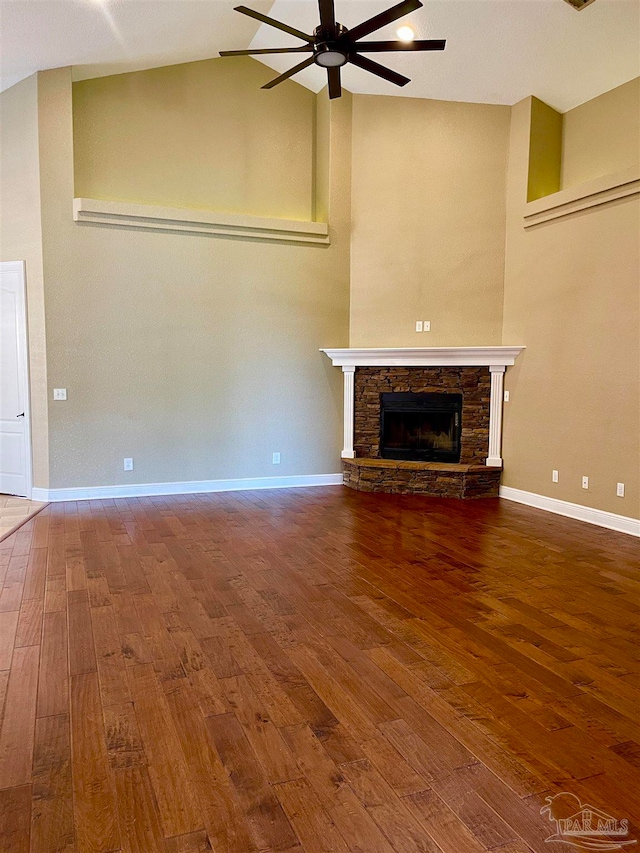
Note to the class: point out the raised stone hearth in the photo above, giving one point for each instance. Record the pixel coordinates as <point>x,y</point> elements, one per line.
<point>448,480</point>
<point>374,376</point>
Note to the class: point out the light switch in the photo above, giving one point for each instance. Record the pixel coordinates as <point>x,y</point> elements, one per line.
<point>59,393</point>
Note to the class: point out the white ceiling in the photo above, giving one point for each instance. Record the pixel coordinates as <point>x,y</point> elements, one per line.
<point>100,37</point>
<point>498,51</point>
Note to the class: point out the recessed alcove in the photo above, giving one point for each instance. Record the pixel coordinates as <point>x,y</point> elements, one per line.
<point>564,178</point>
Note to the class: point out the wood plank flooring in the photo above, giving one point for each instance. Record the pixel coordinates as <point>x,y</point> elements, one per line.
<point>313,671</point>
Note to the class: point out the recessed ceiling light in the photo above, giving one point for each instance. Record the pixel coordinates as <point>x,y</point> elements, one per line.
<point>405,34</point>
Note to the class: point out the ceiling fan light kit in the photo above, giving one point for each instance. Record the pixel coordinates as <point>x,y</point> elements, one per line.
<point>327,56</point>
<point>332,45</point>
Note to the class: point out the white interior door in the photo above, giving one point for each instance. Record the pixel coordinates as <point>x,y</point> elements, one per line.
<point>15,445</point>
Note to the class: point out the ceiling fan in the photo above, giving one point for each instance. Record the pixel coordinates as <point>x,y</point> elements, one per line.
<point>332,45</point>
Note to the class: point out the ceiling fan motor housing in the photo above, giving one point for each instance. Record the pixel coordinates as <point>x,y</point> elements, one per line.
<point>330,53</point>
<point>340,30</point>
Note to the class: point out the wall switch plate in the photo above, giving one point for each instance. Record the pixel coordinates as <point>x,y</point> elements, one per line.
<point>418,325</point>
<point>506,396</point>
<point>426,326</point>
<point>620,490</point>
<point>59,393</point>
<point>585,482</point>
<point>554,476</point>
<point>128,464</point>
<point>276,458</point>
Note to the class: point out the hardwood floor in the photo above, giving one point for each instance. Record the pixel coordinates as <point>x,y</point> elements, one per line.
<point>314,670</point>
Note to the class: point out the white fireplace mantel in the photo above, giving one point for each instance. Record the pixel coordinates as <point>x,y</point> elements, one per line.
<point>497,359</point>
<point>425,357</point>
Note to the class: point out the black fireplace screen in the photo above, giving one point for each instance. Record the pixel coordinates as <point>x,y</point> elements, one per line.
<point>423,427</point>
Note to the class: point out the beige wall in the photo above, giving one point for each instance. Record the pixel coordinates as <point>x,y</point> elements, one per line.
<point>428,221</point>
<point>601,136</point>
<point>21,240</point>
<point>198,356</point>
<point>571,296</point>
<point>202,135</point>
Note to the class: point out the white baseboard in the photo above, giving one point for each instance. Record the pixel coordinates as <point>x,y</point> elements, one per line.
<point>621,523</point>
<point>142,490</point>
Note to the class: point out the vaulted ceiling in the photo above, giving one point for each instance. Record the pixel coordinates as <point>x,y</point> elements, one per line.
<point>498,51</point>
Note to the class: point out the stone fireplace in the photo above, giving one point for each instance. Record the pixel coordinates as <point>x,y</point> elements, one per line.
<point>424,421</point>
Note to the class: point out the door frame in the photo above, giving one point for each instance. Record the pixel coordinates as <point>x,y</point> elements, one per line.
<point>23,359</point>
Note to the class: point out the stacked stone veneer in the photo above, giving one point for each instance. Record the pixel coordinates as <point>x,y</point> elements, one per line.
<point>444,480</point>
<point>474,383</point>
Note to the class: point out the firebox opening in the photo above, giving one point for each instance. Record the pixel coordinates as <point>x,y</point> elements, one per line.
<point>420,427</point>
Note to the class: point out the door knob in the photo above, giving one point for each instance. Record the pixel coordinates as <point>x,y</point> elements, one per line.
<point>21,415</point>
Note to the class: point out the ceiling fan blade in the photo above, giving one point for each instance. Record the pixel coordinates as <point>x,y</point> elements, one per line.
<point>378,70</point>
<point>335,88</point>
<point>288,73</point>
<point>327,16</point>
<point>304,49</point>
<point>273,23</point>
<point>381,46</point>
<point>384,18</point>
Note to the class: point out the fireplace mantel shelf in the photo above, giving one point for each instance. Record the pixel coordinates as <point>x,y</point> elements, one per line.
<point>425,356</point>
<point>497,359</point>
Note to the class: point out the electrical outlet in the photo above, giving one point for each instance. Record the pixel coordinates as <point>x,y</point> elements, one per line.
<point>620,490</point>
<point>128,464</point>
<point>506,396</point>
<point>59,393</point>
<point>554,476</point>
<point>418,325</point>
<point>426,326</point>
<point>585,482</point>
<point>276,459</point>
